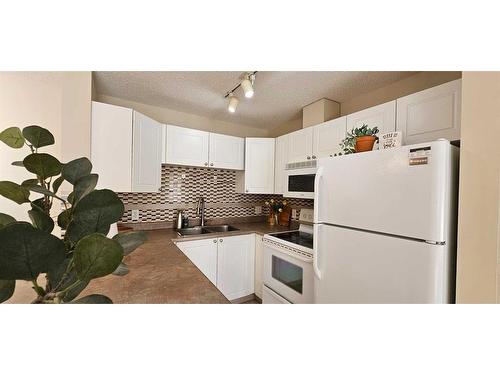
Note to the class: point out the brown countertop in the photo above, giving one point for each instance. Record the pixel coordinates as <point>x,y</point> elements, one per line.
<point>161,273</point>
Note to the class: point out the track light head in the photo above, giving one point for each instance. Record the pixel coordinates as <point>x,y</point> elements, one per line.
<point>247,86</point>
<point>233,103</point>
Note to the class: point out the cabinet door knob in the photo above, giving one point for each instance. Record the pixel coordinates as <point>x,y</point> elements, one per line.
<point>308,158</point>
<point>215,241</point>
<point>246,191</point>
<point>206,163</point>
<point>331,156</point>
<point>314,156</point>
<point>221,240</point>
<point>211,164</point>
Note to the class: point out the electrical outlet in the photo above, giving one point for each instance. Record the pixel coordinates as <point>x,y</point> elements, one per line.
<point>258,210</point>
<point>294,213</point>
<point>135,215</point>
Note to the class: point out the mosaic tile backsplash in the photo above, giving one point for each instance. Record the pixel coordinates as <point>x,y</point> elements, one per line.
<point>182,186</point>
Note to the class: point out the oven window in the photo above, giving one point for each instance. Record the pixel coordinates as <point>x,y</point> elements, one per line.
<point>287,273</point>
<point>303,183</point>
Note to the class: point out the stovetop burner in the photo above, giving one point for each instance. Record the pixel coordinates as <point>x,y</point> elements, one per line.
<point>296,237</point>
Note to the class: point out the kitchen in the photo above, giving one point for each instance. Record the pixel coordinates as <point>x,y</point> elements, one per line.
<point>206,197</point>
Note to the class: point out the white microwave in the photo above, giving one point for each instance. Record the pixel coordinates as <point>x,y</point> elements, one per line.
<point>299,180</point>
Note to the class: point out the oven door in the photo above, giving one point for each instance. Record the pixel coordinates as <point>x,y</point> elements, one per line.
<point>288,275</point>
<point>300,183</point>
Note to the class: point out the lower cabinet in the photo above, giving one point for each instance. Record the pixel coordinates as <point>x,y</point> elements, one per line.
<point>228,262</point>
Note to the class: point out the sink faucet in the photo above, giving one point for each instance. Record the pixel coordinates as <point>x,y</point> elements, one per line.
<point>200,210</point>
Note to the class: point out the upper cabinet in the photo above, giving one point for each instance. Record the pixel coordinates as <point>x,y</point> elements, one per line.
<point>258,177</point>
<point>226,152</point>
<point>300,145</point>
<point>280,160</point>
<point>186,146</point>
<point>382,116</point>
<point>327,137</point>
<point>431,114</point>
<point>125,149</point>
<point>197,148</point>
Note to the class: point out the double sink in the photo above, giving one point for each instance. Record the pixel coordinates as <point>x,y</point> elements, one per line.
<point>209,229</point>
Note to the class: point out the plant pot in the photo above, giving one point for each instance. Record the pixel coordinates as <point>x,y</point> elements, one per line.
<point>284,217</point>
<point>365,143</point>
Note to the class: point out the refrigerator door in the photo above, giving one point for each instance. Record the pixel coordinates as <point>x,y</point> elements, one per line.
<point>362,267</point>
<point>403,191</point>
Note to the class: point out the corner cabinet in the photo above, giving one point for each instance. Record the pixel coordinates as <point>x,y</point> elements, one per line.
<point>228,262</point>
<point>258,177</point>
<point>431,114</point>
<point>197,148</point>
<point>125,149</point>
<point>382,116</point>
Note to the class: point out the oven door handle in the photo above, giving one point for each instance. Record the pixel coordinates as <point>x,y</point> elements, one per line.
<point>316,269</point>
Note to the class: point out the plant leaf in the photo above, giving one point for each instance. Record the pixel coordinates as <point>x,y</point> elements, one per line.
<point>14,192</point>
<point>41,190</point>
<point>83,187</point>
<point>55,276</point>
<point>6,220</point>
<point>76,169</point>
<point>26,252</point>
<point>39,204</point>
<point>18,163</point>
<point>121,270</point>
<point>94,214</point>
<point>38,136</point>
<point>130,240</point>
<point>94,299</point>
<point>96,255</point>
<point>6,289</point>
<point>12,137</point>
<point>64,218</point>
<point>43,165</point>
<point>41,220</point>
<point>57,183</point>
<point>30,182</point>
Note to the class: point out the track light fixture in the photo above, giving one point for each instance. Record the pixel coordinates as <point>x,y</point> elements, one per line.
<point>233,103</point>
<point>247,84</point>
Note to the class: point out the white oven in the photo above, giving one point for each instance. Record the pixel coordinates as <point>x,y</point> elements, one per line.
<point>287,272</point>
<point>299,181</point>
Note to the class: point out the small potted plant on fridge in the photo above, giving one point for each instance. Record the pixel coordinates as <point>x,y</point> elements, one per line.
<point>359,140</point>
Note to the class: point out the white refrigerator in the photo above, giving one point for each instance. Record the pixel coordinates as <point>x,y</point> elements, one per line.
<point>385,226</point>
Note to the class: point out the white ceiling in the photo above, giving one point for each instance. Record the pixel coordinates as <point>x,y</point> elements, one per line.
<point>279,96</point>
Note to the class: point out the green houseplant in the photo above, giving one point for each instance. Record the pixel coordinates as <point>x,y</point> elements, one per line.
<point>28,250</point>
<point>359,140</point>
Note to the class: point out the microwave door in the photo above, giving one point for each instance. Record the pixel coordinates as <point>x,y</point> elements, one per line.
<point>300,184</point>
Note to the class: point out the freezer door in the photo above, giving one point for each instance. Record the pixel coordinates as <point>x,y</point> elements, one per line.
<point>362,267</point>
<point>404,191</point>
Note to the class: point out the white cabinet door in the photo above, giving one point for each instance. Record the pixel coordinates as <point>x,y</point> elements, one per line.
<point>258,177</point>
<point>226,151</point>
<point>281,157</point>
<point>259,250</point>
<point>382,116</point>
<point>327,136</point>
<point>235,266</point>
<point>147,148</point>
<point>203,254</point>
<point>300,145</point>
<point>186,146</point>
<point>111,146</point>
<point>431,114</point>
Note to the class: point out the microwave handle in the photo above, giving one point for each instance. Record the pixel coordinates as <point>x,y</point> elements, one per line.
<point>317,180</point>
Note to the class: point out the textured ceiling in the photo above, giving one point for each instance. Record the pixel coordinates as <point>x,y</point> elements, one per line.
<point>279,96</point>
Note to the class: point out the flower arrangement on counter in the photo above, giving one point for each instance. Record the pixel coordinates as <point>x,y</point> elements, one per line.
<point>277,210</point>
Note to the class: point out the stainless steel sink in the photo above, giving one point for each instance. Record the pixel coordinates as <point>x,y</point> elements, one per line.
<point>205,230</point>
<point>220,228</point>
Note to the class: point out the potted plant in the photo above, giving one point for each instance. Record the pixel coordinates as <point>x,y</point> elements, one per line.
<point>29,249</point>
<point>275,208</point>
<point>359,140</point>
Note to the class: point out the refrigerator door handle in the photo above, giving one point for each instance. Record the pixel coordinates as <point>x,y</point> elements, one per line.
<point>317,272</point>
<point>317,180</point>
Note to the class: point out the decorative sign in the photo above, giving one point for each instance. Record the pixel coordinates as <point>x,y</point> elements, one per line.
<point>390,140</point>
